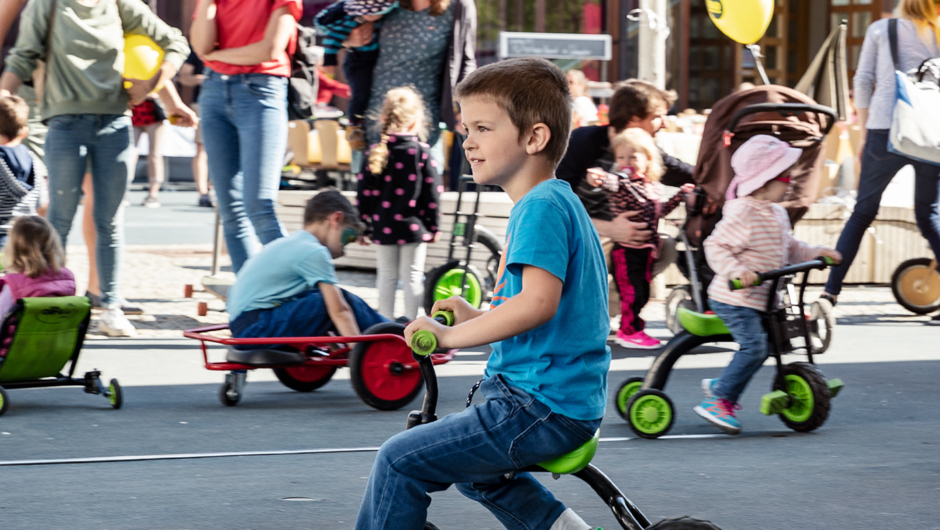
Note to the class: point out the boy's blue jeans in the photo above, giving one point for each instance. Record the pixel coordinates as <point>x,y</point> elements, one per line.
<point>878,169</point>
<point>305,316</point>
<point>105,143</point>
<point>474,449</point>
<point>244,130</point>
<point>748,331</point>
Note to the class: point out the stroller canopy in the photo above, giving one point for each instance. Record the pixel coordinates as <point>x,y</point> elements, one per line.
<point>804,130</point>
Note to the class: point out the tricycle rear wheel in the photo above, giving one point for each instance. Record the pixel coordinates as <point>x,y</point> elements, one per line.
<point>379,370</point>
<point>809,397</point>
<point>304,378</point>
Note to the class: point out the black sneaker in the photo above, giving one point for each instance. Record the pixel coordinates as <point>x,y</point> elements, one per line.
<point>205,201</point>
<point>127,309</point>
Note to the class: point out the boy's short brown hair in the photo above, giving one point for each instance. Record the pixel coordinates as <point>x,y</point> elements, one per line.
<point>530,91</point>
<point>14,116</point>
<point>326,203</point>
<point>636,99</point>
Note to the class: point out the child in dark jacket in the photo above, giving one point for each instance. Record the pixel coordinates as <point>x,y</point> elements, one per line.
<point>398,199</point>
<point>635,187</point>
<point>33,261</point>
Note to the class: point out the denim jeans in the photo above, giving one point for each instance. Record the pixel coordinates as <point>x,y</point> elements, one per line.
<point>305,316</point>
<point>475,449</point>
<point>878,169</point>
<point>748,331</point>
<point>244,130</point>
<point>104,143</point>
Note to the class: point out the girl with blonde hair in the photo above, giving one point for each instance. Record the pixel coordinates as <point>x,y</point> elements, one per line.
<point>917,32</point>
<point>634,187</point>
<point>34,263</point>
<point>398,200</point>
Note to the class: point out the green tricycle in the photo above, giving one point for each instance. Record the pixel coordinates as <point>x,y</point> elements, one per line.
<point>800,393</point>
<point>38,338</point>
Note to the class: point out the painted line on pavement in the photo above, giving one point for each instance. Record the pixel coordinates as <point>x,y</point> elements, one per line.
<point>194,456</point>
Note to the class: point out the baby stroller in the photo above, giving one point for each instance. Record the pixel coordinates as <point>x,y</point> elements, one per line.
<point>774,110</point>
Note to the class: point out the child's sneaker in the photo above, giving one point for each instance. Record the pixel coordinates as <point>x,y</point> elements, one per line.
<point>637,341</point>
<point>708,386</point>
<point>114,324</point>
<point>720,412</point>
<point>356,137</point>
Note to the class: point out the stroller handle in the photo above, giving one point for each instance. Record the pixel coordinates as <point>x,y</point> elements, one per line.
<point>819,263</point>
<point>787,110</point>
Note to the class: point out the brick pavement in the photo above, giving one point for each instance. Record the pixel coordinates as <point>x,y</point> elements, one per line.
<point>154,278</point>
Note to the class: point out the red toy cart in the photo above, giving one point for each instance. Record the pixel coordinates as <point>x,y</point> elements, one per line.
<point>383,372</point>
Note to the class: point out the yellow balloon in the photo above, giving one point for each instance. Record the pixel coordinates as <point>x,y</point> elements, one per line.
<point>745,21</point>
<point>142,57</point>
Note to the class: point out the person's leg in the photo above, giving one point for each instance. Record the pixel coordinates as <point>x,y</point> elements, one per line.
<point>878,168</point>
<point>626,290</point>
<point>90,235</point>
<point>474,448</point>
<point>926,204</point>
<point>357,68</point>
<point>222,150</point>
<point>748,331</point>
<point>638,270</point>
<point>111,159</point>
<point>156,168</point>
<point>260,103</point>
<point>411,272</point>
<point>386,277</point>
<point>667,255</point>
<point>66,155</point>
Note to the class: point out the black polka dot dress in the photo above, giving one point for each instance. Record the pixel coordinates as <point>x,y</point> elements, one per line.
<point>400,205</point>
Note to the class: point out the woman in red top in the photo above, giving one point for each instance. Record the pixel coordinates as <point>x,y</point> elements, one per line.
<point>246,47</point>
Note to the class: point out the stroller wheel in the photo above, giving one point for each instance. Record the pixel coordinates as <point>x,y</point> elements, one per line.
<point>680,296</point>
<point>916,285</point>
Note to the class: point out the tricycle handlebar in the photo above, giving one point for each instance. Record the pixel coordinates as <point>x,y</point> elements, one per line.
<point>819,263</point>
<point>424,342</point>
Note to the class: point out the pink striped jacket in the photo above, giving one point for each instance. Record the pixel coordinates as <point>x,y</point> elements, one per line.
<point>752,235</point>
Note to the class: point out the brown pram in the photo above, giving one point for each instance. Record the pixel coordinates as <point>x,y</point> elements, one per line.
<point>775,110</point>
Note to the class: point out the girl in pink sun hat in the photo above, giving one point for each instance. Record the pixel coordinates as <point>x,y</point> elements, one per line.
<point>753,235</point>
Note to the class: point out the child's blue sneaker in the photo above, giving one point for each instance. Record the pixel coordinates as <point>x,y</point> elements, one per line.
<point>719,412</point>
<point>708,386</point>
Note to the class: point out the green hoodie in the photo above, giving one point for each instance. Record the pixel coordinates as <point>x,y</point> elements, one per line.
<point>86,56</point>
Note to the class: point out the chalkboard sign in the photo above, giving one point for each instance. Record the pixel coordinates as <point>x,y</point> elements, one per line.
<point>554,45</point>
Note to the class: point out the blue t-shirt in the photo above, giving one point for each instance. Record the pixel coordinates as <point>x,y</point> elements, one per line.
<point>562,363</point>
<point>284,269</point>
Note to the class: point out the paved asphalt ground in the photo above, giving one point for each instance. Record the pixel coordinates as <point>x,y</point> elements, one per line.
<point>874,464</point>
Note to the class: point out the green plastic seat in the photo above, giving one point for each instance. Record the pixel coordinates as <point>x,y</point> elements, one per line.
<point>700,324</point>
<point>47,334</point>
<point>574,461</point>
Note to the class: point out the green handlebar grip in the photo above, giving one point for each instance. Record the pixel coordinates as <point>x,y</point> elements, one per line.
<point>423,342</point>
<point>736,283</point>
<point>827,260</point>
<point>447,316</point>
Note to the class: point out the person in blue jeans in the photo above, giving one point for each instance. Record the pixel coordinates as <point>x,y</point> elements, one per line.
<point>875,92</point>
<point>545,385</point>
<point>246,48</point>
<point>289,288</point>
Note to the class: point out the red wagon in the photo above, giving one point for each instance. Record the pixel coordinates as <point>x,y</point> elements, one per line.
<point>382,370</point>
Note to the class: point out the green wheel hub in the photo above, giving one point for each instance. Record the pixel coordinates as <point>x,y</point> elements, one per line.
<point>651,414</point>
<point>451,284</point>
<point>801,396</point>
<point>626,392</point>
<point>112,395</point>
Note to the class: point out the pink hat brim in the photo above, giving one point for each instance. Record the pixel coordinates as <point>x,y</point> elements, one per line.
<point>769,173</point>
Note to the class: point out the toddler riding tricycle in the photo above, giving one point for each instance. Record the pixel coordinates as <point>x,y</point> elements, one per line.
<point>382,370</point>
<point>800,393</point>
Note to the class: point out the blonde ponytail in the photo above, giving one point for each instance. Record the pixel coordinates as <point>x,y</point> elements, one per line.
<point>402,110</point>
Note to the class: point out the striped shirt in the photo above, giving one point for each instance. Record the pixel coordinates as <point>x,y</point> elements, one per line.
<point>753,235</point>
<point>335,25</point>
<point>874,80</point>
<point>16,199</point>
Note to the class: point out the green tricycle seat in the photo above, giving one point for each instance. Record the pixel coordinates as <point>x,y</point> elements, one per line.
<point>41,335</point>
<point>700,324</point>
<point>574,461</point>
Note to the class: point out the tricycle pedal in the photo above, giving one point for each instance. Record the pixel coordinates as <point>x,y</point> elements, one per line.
<point>835,386</point>
<point>774,402</point>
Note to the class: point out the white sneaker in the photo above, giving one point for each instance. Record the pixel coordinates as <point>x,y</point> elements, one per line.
<point>114,324</point>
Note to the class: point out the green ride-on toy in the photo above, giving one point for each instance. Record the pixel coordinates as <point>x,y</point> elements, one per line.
<point>800,393</point>
<point>38,337</point>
